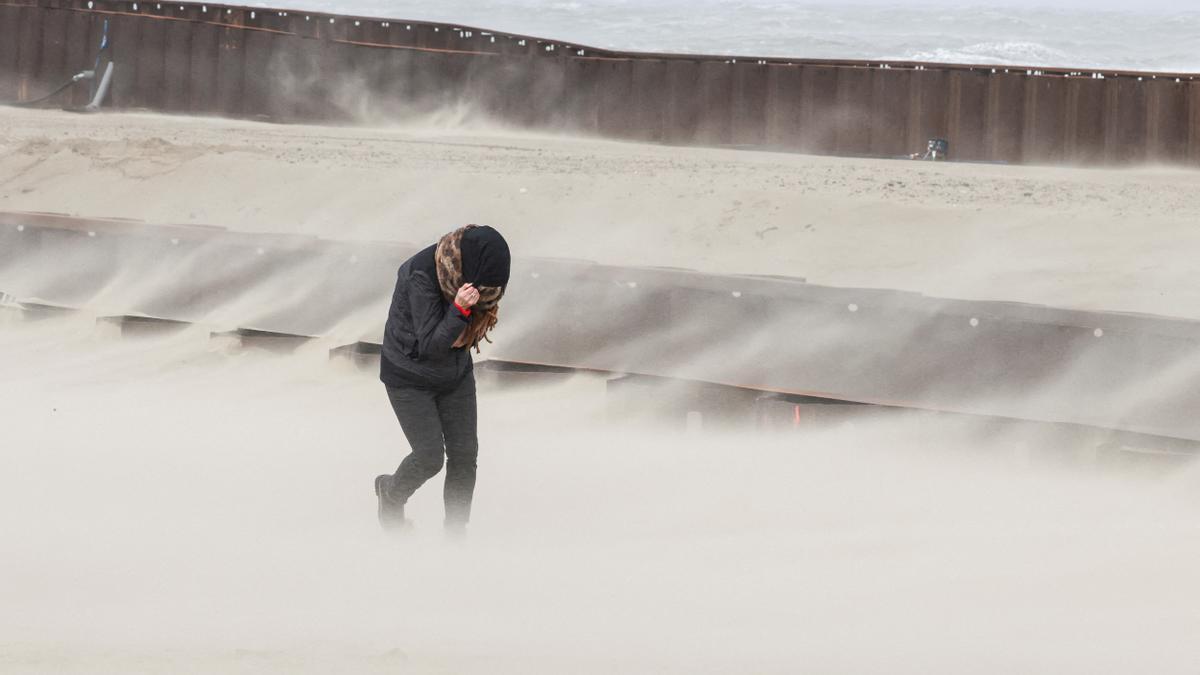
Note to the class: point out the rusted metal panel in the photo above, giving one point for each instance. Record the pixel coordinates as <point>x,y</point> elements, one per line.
<point>614,85</point>
<point>456,72</point>
<point>683,101</point>
<point>714,116</point>
<point>580,99</point>
<point>177,64</point>
<point>485,41</point>
<point>1005,117</point>
<point>748,116</point>
<point>890,123</point>
<point>330,26</point>
<point>648,92</point>
<point>818,109</point>
<point>1165,137</point>
<point>504,44</point>
<point>1129,120</point>
<point>544,104</point>
<point>384,75</point>
<point>52,64</point>
<point>277,21</point>
<point>124,49</point>
<point>489,83</point>
<point>80,51</point>
<point>373,32</point>
<point>497,44</point>
<point>344,66</point>
<point>411,78</point>
<point>1193,121</point>
<point>930,105</point>
<point>231,70</point>
<point>202,69</point>
<point>966,120</point>
<point>10,31</point>
<point>852,128</point>
<point>404,34</point>
<point>784,123</point>
<point>291,74</point>
<point>424,81</point>
<point>500,86</point>
<point>29,53</point>
<point>431,37</point>
<point>400,33</point>
<point>464,40</point>
<point>302,24</point>
<point>192,11</point>
<point>1085,120</point>
<point>151,69</point>
<point>260,85</point>
<point>1045,120</point>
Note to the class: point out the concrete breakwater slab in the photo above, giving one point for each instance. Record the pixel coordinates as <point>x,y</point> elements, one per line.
<point>1103,369</point>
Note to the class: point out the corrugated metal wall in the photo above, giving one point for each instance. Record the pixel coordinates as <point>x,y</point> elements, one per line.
<point>298,66</point>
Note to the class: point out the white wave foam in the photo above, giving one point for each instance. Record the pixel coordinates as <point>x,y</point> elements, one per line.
<point>1140,39</point>
<point>1018,53</point>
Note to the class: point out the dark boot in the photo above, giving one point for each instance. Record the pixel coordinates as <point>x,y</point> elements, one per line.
<point>391,514</point>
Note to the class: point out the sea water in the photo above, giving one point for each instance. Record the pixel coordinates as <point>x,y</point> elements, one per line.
<point>1103,34</point>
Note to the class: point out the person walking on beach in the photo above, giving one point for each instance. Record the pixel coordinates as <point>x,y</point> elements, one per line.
<point>445,303</point>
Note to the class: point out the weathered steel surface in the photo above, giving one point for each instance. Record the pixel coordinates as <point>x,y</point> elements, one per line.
<point>79,47</point>
<point>10,30</point>
<point>52,45</point>
<point>852,112</point>
<point>682,93</point>
<point>648,89</point>
<point>889,132</point>
<point>748,114</point>
<point>1119,371</point>
<point>784,107</point>
<point>714,103</point>
<point>29,34</point>
<point>818,132</point>
<point>311,66</point>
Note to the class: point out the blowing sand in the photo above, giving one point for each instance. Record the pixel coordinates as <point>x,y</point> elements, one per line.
<point>170,506</point>
<point>1089,239</point>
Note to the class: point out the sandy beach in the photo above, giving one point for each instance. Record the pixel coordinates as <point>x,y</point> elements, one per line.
<point>1082,238</point>
<point>174,504</point>
<point>171,508</point>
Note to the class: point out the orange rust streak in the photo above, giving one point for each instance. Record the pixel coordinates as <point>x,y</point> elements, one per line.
<point>158,17</point>
<point>416,49</point>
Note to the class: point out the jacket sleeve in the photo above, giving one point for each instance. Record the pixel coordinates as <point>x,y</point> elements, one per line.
<point>436,323</point>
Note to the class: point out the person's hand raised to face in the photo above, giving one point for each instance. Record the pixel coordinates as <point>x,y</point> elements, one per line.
<point>467,296</point>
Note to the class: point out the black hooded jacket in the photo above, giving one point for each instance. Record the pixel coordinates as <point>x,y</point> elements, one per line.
<point>422,325</point>
<point>421,329</point>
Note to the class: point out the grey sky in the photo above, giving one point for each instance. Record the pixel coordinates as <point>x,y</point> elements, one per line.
<point>1140,5</point>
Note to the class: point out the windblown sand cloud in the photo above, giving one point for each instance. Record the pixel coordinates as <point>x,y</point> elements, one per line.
<point>170,505</point>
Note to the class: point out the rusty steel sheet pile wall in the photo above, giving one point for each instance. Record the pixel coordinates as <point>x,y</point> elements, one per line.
<point>306,66</point>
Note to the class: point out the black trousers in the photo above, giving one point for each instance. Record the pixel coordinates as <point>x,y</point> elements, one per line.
<point>437,424</point>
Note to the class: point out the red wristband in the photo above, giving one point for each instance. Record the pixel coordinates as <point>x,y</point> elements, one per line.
<point>460,308</point>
